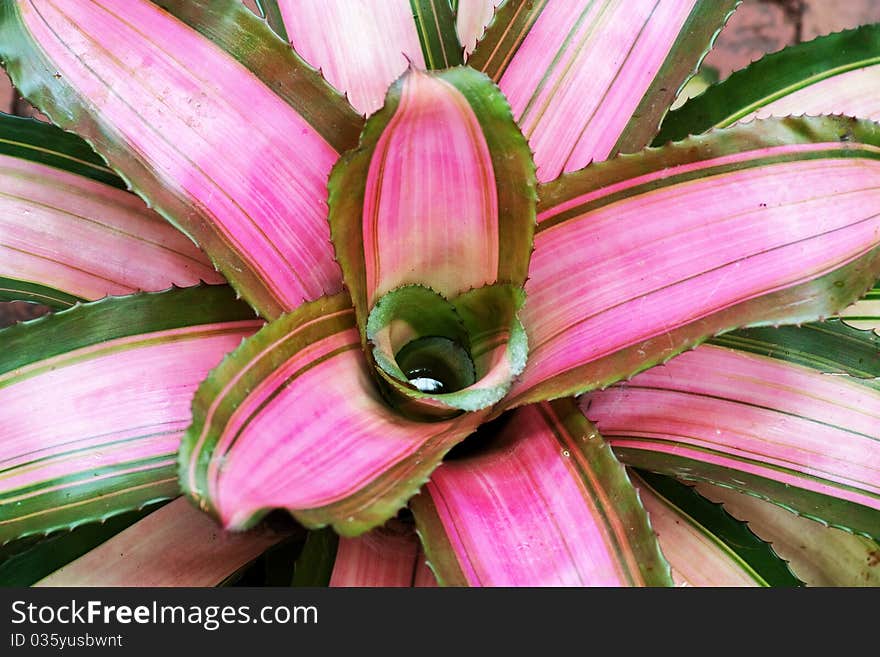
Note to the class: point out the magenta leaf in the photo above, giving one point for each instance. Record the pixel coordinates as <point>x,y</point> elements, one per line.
<point>777,426</point>
<point>439,193</point>
<point>69,233</point>
<point>293,419</point>
<point>388,556</point>
<point>544,503</point>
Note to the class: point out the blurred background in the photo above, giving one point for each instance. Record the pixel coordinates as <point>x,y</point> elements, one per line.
<point>757,27</point>
<point>763,26</point>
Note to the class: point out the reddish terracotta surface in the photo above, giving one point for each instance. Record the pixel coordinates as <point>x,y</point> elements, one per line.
<point>762,26</point>
<point>756,28</point>
<point>19,311</point>
<point>5,94</point>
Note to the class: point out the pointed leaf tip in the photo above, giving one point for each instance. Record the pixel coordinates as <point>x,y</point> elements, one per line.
<point>174,151</point>
<point>587,80</point>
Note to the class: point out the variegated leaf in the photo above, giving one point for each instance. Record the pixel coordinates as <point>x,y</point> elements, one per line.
<point>301,391</point>
<point>219,125</point>
<point>94,401</point>
<point>590,79</point>
<point>819,555</point>
<point>644,256</point>
<point>705,545</point>
<point>782,414</point>
<point>834,74</point>
<point>543,502</point>
<point>68,232</point>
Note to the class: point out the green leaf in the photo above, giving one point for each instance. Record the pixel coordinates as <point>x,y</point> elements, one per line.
<point>435,23</point>
<point>830,347</point>
<point>438,357</point>
<point>715,549</point>
<point>13,289</point>
<point>37,141</point>
<point>834,74</point>
<point>314,566</point>
<point>272,13</point>
<point>819,555</point>
<point>26,566</point>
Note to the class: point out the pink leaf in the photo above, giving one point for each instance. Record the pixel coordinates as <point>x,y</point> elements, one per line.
<point>543,504</point>
<point>852,93</point>
<point>387,556</point>
<point>361,47</point>
<point>644,256</point>
<point>177,545</point>
<point>292,419</point>
<point>431,170</point>
<point>471,20</point>
<point>88,239</point>
<point>94,401</point>
<point>589,79</point>
<point>198,129</point>
<point>420,200</point>
<point>780,430</point>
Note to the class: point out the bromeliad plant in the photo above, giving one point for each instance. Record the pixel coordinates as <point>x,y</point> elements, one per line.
<point>476,269</point>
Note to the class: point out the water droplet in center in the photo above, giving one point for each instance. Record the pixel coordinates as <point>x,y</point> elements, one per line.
<point>422,381</point>
<point>436,365</point>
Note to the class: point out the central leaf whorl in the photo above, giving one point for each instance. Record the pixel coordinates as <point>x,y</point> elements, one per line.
<point>432,219</point>
<point>438,357</point>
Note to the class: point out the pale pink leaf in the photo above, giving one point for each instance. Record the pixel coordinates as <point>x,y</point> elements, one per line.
<point>589,79</point>
<point>177,545</point>
<point>644,256</point>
